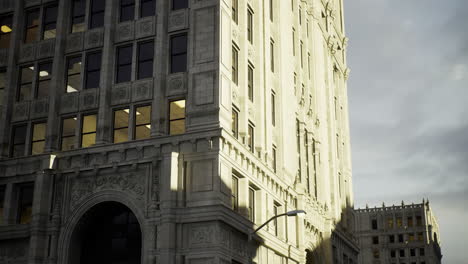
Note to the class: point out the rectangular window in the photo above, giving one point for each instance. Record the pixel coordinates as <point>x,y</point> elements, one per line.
<point>275,221</point>
<point>124,64</point>
<point>235,15</point>
<point>127,10</point>
<point>38,138</point>
<point>306,145</point>
<point>302,55</point>
<point>420,236</point>
<point>412,252</point>
<point>93,70</point>
<point>392,253</point>
<point>25,202</point>
<point>2,200</point>
<point>68,133</point>
<point>78,16</point>
<point>74,74</point>
<point>179,4</point>
<point>49,23</point>
<point>88,130</point>
<point>375,240</point>
<point>177,117</point>
<point>309,65</point>
<point>44,76</point>
<point>374,224</point>
<point>143,122</point>
<point>19,140</point>
<point>147,8</point>
<point>235,64</point>
<point>418,220</point>
<point>399,222</point>
<point>179,53</point>
<point>400,238</point>
<point>410,221</point>
<point>376,253</point>
<point>121,121</point>
<point>26,81</point>
<point>422,253</point>
<point>6,26</point>
<point>97,13</point>
<point>391,238</point>
<point>271,10</point>
<point>402,253</point>
<point>250,82</point>
<point>251,204</point>
<point>272,55</point>
<point>2,84</point>
<point>390,223</point>
<point>294,41</point>
<point>145,60</point>
<point>250,135</point>
<point>31,32</point>
<point>274,158</point>
<point>235,122</point>
<point>235,193</point>
<point>300,15</point>
<point>250,25</point>
<point>273,108</point>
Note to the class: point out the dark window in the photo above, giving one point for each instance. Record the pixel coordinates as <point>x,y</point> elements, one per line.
<point>392,253</point>
<point>124,64</point>
<point>375,240</point>
<point>2,200</point>
<point>412,252</point>
<point>26,81</point>
<point>88,130</point>
<point>49,23</point>
<point>179,53</point>
<point>391,238</point>
<point>418,220</point>
<point>422,252</point>
<point>294,41</point>
<point>25,203</point>
<point>400,238</point>
<point>68,133</point>
<point>179,4</point>
<point>272,55</point>
<point>376,253</point>
<point>235,64</point>
<point>235,193</point>
<point>274,158</point>
<point>38,138</point>
<point>177,117</point>
<point>32,26</point>
<point>271,10</point>
<point>302,54</point>
<point>410,221</point>
<point>2,84</point>
<point>250,25</point>
<point>78,16</point>
<point>44,75</point>
<point>147,8</point>
<point>300,16</point>
<point>97,13</point>
<point>252,204</point>
<point>143,122</point>
<point>74,74</point>
<point>127,10</point>
<point>235,8</point>
<point>145,60</point>
<point>121,121</point>
<point>273,109</point>
<point>93,70</point>
<point>402,253</point>
<point>250,139</point>
<point>19,140</point>
<point>235,122</point>
<point>250,82</point>
<point>6,26</point>
<point>374,224</point>
<point>275,221</point>
<point>308,65</point>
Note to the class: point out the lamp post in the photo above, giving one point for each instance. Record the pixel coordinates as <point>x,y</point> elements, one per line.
<point>290,213</point>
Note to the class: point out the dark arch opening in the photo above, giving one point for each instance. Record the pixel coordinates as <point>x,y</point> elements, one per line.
<point>109,233</point>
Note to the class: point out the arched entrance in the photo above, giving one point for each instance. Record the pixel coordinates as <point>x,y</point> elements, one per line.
<point>108,233</point>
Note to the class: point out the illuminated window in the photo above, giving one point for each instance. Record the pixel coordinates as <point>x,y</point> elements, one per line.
<point>235,14</point>
<point>32,26</point>
<point>5,31</point>
<point>143,122</point>
<point>399,221</point>
<point>124,64</point>
<point>26,81</point>
<point>145,60</point>
<point>178,53</point>
<point>420,236</point>
<point>177,117</point>
<point>2,200</point>
<point>88,130</point>
<point>250,82</point>
<point>127,10</point>
<point>73,74</point>
<point>147,8</point>
<point>390,222</point>
<point>2,84</point>
<point>93,70</point>
<point>25,202</point>
<point>44,76</point>
<point>250,25</point>
<point>250,139</point>
<point>235,193</point>
<point>251,204</point>
<point>38,138</point>
<point>411,237</point>
<point>97,13</point>
<point>410,221</point>
<point>179,4</point>
<point>235,64</point>
<point>78,16</point>
<point>235,122</point>
<point>19,140</point>
<point>49,24</point>
<point>69,126</point>
<point>121,120</point>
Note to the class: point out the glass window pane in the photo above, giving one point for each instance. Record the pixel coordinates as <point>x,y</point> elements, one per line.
<point>2,79</point>
<point>127,10</point>
<point>177,127</point>
<point>45,71</point>
<point>145,69</point>
<point>97,20</point>
<point>39,131</point>
<point>25,92</point>
<point>50,22</point>
<point>74,83</point>
<point>79,7</point>
<point>68,143</point>
<point>98,5</point>
<point>89,124</point>
<point>125,55</point>
<point>79,26</point>
<point>5,31</point>
<point>27,74</point>
<point>94,61</point>
<point>37,147</point>
<point>74,65</point>
<point>124,73</point>
<point>179,63</point>
<point>146,51</point>
<point>121,118</point>
<point>147,8</point>
<point>142,132</point>
<point>179,44</point>
<point>74,75</point>
<point>32,26</point>
<point>69,126</point>
<point>121,135</point>
<point>43,89</point>
<point>88,140</point>
<point>92,79</point>
<point>32,18</point>
<point>177,110</point>
<point>19,134</point>
<point>25,203</point>
<point>143,115</point>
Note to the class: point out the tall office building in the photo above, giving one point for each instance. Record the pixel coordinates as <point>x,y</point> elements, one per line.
<point>165,131</point>
<point>406,234</point>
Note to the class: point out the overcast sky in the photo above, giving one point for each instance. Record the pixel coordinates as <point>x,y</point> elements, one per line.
<point>408,97</point>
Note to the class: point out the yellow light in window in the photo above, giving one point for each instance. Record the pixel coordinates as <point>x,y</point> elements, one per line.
<point>5,29</point>
<point>180,103</point>
<point>127,111</point>
<point>43,73</point>
<point>148,126</point>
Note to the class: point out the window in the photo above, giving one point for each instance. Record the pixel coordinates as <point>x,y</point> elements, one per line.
<point>38,138</point>
<point>68,133</point>
<point>121,121</point>
<point>273,108</point>
<point>179,53</point>
<point>390,223</point>
<point>179,4</point>
<point>418,220</point>
<point>250,82</point>
<point>19,140</point>
<point>127,10</point>
<point>6,26</point>
<point>177,117</point>
<point>74,74</point>
<point>49,23</point>
<point>124,64</point>
<point>88,130</point>
<point>420,236</point>
<point>97,13</point>
<point>400,238</point>
<point>93,70</point>
<point>250,25</point>
<point>300,16</point>
<point>274,159</point>
<point>25,202</point>
<point>44,76</point>
<point>147,8</point>
<point>2,84</point>
<point>235,15</point>
<point>235,64</point>
<point>294,41</point>
<point>78,16</point>
<point>145,60</point>
<point>412,252</point>
<point>308,65</point>
<point>275,221</point>
<point>271,10</point>
<point>399,221</point>
<point>143,122</point>
<point>376,253</point>
<point>410,221</point>
<point>302,55</point>
<point>251,204</point>
<point>272,55</point>
<point>298,148</point>
<point>235,193</point>
<point>32,26</point>
<point>25,90</point>
<point>391,238</point>
<point>250,135</point>
<point>421,252</point>
<point>374,224</point>
<point>235,122</point>
<point>411,237</point>
<point>402,253</point>
<point>375,240</point>
<point>392,253</point>
<point>2,200</point>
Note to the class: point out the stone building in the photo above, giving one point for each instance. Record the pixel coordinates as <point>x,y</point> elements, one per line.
<point>406,234</point>
<point>144,131</point>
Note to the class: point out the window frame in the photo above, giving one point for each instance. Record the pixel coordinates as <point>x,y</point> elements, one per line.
<point>272,55</point>
<point>74,136</point>
<point>235,121</point>
<point>114,128</point>
<point>6,20</point>
<point>38,78</point>
<point>183,5</point>
<point>93,13</point>
<point>80,73</point>
<point>20,206</point>
<point>173,54</point>
<point>119,65</point>
<point>250,25</point>
<point>81,129</point>
<point>234,192</point>
<point>77,17</point>
<point>235,11</point>
<point>122,6</point>
<point>170,120</point>
<point>251,136</point>
<point>135,125</point>
<point>13,141</point>
<point>45,23</point>
<point>140,61</point>
<point>250,81</point>
<point>251,204</point>
<point>21,83</point>
<point>87,71</point>
<point>32,27</point>
<point>31,137</point>
<point>153,13</point>
<point>235,64</point>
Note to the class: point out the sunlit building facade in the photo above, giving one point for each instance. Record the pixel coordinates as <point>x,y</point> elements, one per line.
<point>165,131</point>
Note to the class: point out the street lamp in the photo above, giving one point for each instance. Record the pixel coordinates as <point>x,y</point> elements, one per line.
<point>290,213</point>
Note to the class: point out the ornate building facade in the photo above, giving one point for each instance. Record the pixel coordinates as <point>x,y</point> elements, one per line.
<point>144,131</point>
<point>398,234</point>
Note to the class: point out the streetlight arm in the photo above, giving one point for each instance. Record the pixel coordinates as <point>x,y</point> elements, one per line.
<point>266,223</point>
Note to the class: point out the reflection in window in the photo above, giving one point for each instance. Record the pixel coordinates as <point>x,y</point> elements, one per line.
<point>147,8</point>
<point>250,81</point>
<point>2,200</point>
<point>19,140</point>
<point>5,31</point>
<point>38,138</point>
<point>74,75</point>
<point>44,76</point>
<point>93,70</point>
<point>235,193</point>
<point>25,203</point>
<point>251,204</point>
<point>179,53</point>
<point>142,122</point>
<point>88,131</point>
<point>68,133</point>
<point>127,10</point>
<point>2,84</point>
<point>124,64</point>
<point>121,119</point>
<point>235,15</point>
<point>235,122</point>
<point>145,60</point>
<point>97,13</point>
<point>27,75</point>
<point>32,26</point>
<point>235,64</point>
<point>179,4</point>
<point>78,16</point>
<point>49,27</point>
<point>177,117</point>
<point>250,139</point>
<point>250,25</point>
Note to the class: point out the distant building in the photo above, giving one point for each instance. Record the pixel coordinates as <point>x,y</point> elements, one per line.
<point>406,234</point>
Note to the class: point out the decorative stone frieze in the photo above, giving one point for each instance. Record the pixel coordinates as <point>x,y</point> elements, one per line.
<point>46,48</point>
<point>178,20</point>
<point>69,103</point>
<point>125,31</point>
<point>89,99</point>
<point>142,90</point>
<point>74,42</point>
<point>145,27</point>
<point>27,52</point>
<point>121,94</point>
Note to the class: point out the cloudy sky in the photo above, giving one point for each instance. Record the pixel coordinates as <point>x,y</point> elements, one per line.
<point>408,96</point>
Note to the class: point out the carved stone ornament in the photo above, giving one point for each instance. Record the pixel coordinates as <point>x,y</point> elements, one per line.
<point>142,90</point>
<point>40,108</point>
<point>27,52</point>
<point>74,42</point>
<point>145,27</point>
<point>125,31</point>
<point>178,20</point>
<point>46,48</point>
<point>21,111</point>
